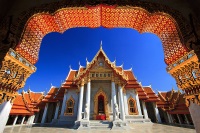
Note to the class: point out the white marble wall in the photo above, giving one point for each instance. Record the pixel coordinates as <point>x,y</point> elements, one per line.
<point>4,114</point>
<point>195,114</point>
<point>75,96</point>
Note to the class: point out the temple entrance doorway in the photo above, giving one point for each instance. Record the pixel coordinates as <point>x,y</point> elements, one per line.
<point>101,106</point>
<point>101,110</point>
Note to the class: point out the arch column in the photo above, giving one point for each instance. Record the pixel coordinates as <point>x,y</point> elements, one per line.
<point>16,117</point>
<point>57,109</point>
<point>64,103</point>
<point>4,114</point>
<point>145,110</point>
<point>125,103</point>
<point>114,99</point>
<point>122,112</point>
<point>23,120</point>
<point>45,113</point>
<point>186,119</point>
<point>158,119</point>
<point>169,118</point>
<point>138,103</point>
<point>80,104</point>
<point>179,120</point>
<point>88,93</point>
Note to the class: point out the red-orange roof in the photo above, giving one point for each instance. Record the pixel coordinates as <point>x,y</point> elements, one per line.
<point>50,95</point>
<point>132,81</point>
<point>142,94</point>
<point>69,82</point>
<point>152,97</point>
<point>27,103</point>
<point>173,102</point>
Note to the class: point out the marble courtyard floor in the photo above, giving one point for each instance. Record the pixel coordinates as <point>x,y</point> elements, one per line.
<point>134,128</point>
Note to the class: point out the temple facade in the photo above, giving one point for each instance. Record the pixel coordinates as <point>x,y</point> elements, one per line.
<point>100,95</point>
<point>100,91</point>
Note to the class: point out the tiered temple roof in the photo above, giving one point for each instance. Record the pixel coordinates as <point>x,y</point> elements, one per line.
<point>50,96</point>
<point>27,103</point>
<point>152,97</point>
<point>172,102</point>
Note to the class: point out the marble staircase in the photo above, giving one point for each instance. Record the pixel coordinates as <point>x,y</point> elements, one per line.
<point>136,119</point>
<point>95,124</point>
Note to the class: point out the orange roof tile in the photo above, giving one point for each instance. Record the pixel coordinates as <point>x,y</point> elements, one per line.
<point>173,102</point>
<point>152,97</point>
<point>50,95</point>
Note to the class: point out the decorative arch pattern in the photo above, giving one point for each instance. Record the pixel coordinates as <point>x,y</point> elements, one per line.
<point>101,92</point>
<point>70,106</point>
<point>107,16</point>
<point>132,107</point>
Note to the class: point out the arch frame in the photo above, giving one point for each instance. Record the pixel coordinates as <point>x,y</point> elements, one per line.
<point>101,92</point>
<point>69,114</point>
<point>135,106</point>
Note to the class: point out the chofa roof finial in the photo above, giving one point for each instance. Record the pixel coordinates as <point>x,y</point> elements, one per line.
<point>101,45</point>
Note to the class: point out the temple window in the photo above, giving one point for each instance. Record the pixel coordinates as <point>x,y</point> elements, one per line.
<point>69,106</point>
<point>104,75</point>
<point>132,106</point>
<point>108,75</point>
<point>96,74</point>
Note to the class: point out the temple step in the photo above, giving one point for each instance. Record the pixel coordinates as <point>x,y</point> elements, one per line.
<point>136,119</point>
<point>100,124</point>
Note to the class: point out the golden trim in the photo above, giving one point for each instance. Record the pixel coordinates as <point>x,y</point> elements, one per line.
<point>135,106</point>
<point>101,92</point>
<point>69,114</point>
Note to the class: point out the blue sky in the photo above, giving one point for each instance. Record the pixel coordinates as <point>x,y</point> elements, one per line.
<point>142,52</point>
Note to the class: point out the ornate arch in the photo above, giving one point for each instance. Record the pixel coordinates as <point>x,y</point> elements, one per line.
<point>132,107</point>
<point>134,17</point>
<point>70,106</point>
<point>101,92</point>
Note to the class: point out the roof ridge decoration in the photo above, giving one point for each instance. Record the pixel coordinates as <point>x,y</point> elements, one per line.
<point>29,94</point>
<point>140,83</point>
<point>89,65</point>
<point>25,102</point>
<point>159,93</point>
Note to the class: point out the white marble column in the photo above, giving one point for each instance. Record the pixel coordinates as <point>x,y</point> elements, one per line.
<point>144,110</point>
<point>16,117</point>
<point>186,119</point>
<point>169,118</point>
<point>57,109</point>
<point>88,93</point>
<point>122,112</point>
<point>125,104</point>
<point>80,104</point>
<point>4,114</point>
<point>64,104</point>
<point>156,113</point>
<point>33,118</point>
<point>23,120</point>
<point>119,104</point>
<point>179,119</point>
<point>29,120</point>
<point>45,113</point>
<point>36,117</point>
<point>114,99</point>
<point>138,103</point>
<point>194,111</point>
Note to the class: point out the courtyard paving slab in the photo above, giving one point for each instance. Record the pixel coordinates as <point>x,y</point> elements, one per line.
<point>134,128</point>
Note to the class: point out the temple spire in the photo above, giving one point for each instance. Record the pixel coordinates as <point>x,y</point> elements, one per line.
<point>70,68</point>
<point>101,45</point>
